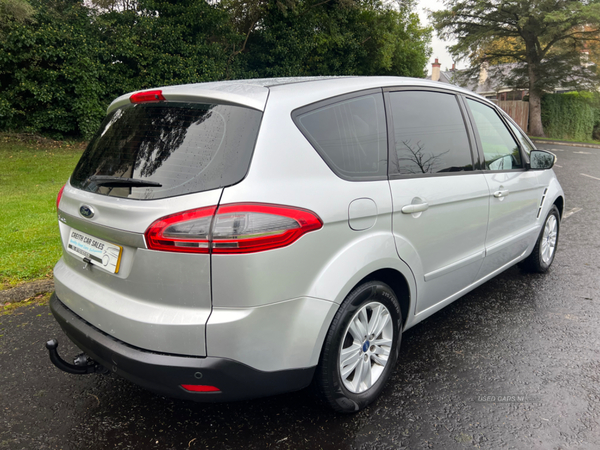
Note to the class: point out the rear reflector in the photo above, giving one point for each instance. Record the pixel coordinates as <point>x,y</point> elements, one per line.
<point>200,388</point>
<point>147,96</point>
<point>234,228</point>
<point>59,196</point>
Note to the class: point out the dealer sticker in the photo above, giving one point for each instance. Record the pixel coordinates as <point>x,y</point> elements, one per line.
<point>99,253</point>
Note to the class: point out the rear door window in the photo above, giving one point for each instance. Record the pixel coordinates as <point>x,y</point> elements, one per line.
<point>430,134</point>
<point>174,148</point>
<point>350,135</point>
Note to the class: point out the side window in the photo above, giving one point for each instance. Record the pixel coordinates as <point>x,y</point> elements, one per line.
<point>525,144</point>
<point>500,150</point>
<point>350,136</point>
<point>430,133</point>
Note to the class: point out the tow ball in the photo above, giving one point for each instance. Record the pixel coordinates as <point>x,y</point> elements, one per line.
<point>82,363</point>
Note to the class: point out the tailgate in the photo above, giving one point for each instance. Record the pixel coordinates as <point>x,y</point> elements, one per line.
<point>157,301</point>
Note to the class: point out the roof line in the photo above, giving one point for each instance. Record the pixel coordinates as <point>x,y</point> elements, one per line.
<point>310,80</point>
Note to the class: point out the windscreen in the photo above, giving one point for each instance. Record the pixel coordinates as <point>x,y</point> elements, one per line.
<point>166,149</point>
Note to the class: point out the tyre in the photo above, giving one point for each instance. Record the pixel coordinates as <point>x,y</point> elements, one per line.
<point>361,348</point>
<point>544,251</point>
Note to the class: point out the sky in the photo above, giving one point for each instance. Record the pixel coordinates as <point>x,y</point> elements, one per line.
<point>439,46</point>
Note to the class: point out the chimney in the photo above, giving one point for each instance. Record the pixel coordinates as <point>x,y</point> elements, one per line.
<point>435,70</point>
<point>453,67</point>
<point>483,73</point>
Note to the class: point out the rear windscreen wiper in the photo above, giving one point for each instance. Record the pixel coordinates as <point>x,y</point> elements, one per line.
<point>109,181</point>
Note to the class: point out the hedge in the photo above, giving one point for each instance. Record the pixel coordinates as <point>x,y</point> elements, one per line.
<point>571,116</point>
<point>61,69</point>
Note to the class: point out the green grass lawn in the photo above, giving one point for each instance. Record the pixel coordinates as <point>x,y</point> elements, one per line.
<point>31,174</point>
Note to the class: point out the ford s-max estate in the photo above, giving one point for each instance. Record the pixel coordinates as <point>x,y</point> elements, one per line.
<point>231,240</point>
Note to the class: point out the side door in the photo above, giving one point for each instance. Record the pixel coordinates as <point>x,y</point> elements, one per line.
<point>515,192</point>
<point>439,195</point>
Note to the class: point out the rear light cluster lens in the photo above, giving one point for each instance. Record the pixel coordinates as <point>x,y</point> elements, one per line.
<point>235,228</point>
<point>147,96</point>
<point>59,196</point>
<point>185,232</point>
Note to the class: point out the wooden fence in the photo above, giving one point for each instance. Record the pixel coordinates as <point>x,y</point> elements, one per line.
<point>518,110</point>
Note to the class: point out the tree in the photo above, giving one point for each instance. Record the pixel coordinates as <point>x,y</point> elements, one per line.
<point>49,72</point>
<point>14,11</point>
<point>60,69</point>
<point>547,38</point>
<point>59,73</point>
<point>167,42</point>
<point>500,46</point>
<point>330,37</point>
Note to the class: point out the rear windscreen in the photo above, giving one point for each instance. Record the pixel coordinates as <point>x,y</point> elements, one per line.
<point>183,147</point>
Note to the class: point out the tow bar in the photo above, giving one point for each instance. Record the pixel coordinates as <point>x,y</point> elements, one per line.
<point>82,363</point>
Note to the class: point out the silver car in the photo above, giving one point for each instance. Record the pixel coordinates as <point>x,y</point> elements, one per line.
<point>232,240</point>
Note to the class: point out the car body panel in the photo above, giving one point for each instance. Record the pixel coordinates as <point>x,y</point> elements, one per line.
<point>444,245</point>
<point>451,298</point>
<point>512,219</point>
<point>162,312</point>
<point>277,336</point>
<point>128,214</point>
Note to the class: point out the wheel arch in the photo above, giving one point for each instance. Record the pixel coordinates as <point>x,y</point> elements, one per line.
<point>403,286</point>
<point>399,285</point>
<point>555,195</point>
<point>359,261</point>
<point>560,204</point>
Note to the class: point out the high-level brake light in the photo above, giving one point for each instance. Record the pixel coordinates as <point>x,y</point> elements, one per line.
<point>200,388</point>
<point>234,228</point>
<point>147,96</point>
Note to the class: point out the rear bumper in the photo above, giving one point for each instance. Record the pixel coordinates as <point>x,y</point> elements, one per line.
<point>164,373</point>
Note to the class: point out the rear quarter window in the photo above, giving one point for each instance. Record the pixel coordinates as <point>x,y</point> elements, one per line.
<point>183,147</point>
<point>350,135</point>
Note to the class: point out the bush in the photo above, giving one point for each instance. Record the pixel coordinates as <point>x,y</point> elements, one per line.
<point>59,72</point>
<point>573,116</point>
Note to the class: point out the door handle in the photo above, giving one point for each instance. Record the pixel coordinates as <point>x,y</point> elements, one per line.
<point>501,194</point>
<point>416,208</point>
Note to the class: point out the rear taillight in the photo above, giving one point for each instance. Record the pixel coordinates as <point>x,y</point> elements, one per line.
<point>248,228</point>
<point>147,96</point>
<point>235,228</point>
<point>200,388</point>
<point>182,232</point>
<point>59,196</point>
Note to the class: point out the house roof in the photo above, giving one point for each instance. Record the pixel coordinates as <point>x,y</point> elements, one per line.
<point>491,85</point>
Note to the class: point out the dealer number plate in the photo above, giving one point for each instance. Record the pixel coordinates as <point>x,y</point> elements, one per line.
<point>99,253</point>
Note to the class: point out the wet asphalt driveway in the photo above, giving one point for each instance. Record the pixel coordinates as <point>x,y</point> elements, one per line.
<point>514,364</point>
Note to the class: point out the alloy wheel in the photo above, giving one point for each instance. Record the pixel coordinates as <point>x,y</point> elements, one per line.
<point>549,236</point>
<point>366,347</point>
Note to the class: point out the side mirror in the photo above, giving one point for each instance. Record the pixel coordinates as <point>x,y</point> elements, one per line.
<point>541,160</point>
